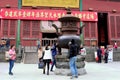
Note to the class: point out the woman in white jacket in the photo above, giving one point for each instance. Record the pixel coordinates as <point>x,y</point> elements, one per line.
<point>47,57</point>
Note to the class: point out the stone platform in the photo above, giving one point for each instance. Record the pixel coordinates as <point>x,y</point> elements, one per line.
<point>62,65</point>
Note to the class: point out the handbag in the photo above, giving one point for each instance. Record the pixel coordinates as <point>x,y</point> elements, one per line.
<point>41,64</point>
<point>7,55</point>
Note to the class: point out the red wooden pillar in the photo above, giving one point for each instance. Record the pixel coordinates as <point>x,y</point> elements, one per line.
<point>31,29</point>
<point>1,28</point>
<point>96,33</point>
<point>9,28</point>
<point>109,29</point>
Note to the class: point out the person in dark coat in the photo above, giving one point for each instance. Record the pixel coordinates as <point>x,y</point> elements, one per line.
<point>54,53</point>
<point>73,52</point>
<point>99,54</point>
<point>106,56</point>
<point>8,43</point>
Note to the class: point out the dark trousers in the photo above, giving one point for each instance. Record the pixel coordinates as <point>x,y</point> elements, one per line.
<point>11,65</point>
<point>7,45</point>
<point>106,59</point>
<point>46,62</point>
<point>53,63</point>
<point>99,59</point>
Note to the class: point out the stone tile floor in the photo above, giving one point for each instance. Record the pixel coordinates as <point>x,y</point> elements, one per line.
<point>95,71</point>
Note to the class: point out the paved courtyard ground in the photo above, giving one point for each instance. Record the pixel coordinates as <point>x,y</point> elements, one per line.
<point>95,71</point>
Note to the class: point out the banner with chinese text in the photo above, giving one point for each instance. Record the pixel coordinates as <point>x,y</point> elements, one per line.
<point>52,3</point>
<point>45,14</point>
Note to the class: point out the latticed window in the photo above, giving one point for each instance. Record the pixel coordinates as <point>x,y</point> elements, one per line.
<point>26,28</point>
<point>35,28</point>
<point>93,29</point>
<point>112,23</point>
<point>87,29</point>
<point>5,27</point>
<point>12,27</point>
<point>118,26</point>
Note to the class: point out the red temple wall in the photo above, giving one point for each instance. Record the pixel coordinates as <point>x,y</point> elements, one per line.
<point>29,34</point>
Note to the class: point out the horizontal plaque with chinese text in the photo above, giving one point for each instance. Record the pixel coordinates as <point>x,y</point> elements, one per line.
<point>52,3</point>
<point>45,14</point>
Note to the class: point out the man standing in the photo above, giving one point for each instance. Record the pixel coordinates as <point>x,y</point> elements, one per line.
<point>106,55</point>
<point>73,58</point>
<point>99,53</point>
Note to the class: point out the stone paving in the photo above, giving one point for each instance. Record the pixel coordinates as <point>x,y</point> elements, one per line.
<point>95,71</point>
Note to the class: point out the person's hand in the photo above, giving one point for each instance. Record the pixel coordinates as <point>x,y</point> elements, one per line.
<point>69,43</point>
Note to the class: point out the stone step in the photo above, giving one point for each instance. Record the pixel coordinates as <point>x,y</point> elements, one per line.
<point>65,65</point>
<point>64,58</point>
<point>30,58</point>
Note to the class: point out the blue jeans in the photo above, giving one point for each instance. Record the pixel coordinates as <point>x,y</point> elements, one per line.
<point>73,66</point>
<point>38,46</point>
<point>11,64</point>
<point>53,63</point>
<point>7,45</point>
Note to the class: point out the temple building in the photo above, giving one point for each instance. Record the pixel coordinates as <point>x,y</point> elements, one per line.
<point>25,21</point>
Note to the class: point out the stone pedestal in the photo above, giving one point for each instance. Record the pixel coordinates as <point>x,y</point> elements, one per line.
<point>62,66</point>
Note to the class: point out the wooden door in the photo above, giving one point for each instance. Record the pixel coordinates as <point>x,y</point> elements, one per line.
<point>114,28</point>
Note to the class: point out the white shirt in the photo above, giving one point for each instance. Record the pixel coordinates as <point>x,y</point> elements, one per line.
<point>47,54</point>
<point>83,51</point>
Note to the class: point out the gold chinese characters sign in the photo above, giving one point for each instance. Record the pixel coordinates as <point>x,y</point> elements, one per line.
<point>52,3</point>
<point>45,14</point>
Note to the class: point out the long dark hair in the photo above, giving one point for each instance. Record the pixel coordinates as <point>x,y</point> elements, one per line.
<point>46,47</point>
<point>12,46</point>
<point>73,41</point>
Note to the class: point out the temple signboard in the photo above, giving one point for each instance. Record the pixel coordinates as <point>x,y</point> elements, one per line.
<point>52,3</point>
<point>45,14</point>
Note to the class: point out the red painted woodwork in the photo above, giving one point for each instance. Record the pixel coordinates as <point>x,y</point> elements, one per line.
<point>87,30</point>
<point>30,29</point>
<point>90,33</point>
<point>114,28</point>
<point>30,32</point>
<point>35,28</point>
<point>0,28</point>
<point>8,28</point>
<point>13,3</point>
<point>118,26</point>
<point>100,5</point>
<point>93,30</point>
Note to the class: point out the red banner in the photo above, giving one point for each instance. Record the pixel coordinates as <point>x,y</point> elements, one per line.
<point>0,15</point>
<point>45,14</point>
